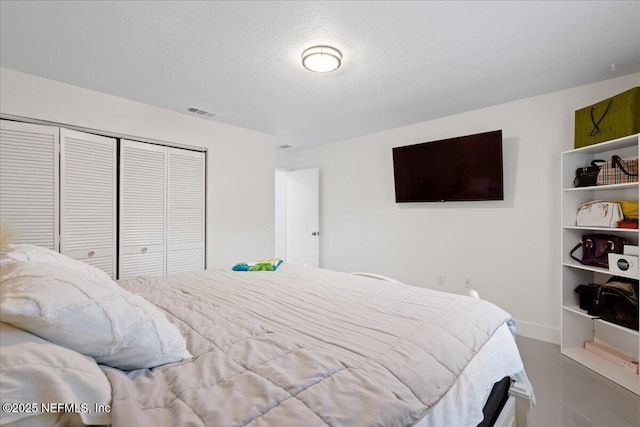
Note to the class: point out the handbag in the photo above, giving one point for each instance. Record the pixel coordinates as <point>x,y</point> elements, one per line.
<point>618,171</point>
<point>596,249</point>
<point>615,301</point>
<point>618,302</point>
<point>587,296</point>
<point>588,175</point>
<point>599,213</point>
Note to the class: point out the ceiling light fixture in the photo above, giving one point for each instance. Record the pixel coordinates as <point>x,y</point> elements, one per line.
<point>321,59</point>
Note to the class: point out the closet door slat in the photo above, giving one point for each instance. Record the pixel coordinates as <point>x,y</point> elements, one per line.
<point>29,181</point>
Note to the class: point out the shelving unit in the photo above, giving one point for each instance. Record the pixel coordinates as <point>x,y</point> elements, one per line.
<point>578,326</point>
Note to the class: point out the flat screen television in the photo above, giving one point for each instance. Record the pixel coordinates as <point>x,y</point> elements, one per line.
<point>466,168</point>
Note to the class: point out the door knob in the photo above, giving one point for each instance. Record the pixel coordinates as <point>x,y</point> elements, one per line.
<point>91,253</point>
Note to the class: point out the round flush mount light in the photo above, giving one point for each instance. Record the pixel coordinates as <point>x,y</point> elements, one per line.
<point>321,59</point>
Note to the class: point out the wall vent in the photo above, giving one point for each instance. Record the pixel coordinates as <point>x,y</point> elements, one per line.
<point>200,112</point>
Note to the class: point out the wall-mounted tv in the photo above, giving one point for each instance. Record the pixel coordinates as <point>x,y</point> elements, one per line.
<point>466,168</point>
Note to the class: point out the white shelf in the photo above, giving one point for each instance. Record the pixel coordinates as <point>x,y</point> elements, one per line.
<point>615,373</point>
<point>597,270</point>
<point>578,310</point>
<point>578,326</point>
<point>618,327</point>
<point>606,147</point>
<point>604,187</point>
<point>603,229</point>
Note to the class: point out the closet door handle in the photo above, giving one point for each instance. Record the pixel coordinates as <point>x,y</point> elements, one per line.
<point>143,250</point>
<point>91,253</point>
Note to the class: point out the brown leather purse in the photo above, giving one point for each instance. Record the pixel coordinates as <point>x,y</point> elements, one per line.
<point>596,249</point>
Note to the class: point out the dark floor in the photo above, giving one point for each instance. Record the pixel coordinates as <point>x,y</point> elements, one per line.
<point>570,395</point>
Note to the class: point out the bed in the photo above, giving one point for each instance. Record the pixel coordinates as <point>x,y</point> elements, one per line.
<point>298,346</point>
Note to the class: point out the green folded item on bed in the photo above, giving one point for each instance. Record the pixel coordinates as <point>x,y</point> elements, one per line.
<point>270,264</point>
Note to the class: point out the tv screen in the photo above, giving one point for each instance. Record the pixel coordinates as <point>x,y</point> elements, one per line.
<point>467,168</point>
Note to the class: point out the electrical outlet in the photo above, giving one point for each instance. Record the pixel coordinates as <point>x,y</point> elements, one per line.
<point>441,279</point>
<point>467,283</point>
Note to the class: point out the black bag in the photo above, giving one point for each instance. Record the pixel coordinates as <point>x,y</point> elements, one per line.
<point>588,175</point>
<point>596,249</point>
<point>616,301</point>
<point>587,295</point>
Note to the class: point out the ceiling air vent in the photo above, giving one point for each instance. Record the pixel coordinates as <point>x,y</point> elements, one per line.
<point>200,112</point>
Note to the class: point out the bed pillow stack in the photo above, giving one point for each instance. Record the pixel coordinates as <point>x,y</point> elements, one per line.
<point>78,306</point>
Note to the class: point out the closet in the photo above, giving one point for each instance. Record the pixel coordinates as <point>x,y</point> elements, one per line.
<point>59,189</point>
<point>161,209</point>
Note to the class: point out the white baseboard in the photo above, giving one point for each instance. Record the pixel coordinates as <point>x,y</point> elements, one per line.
<point>538,332</point>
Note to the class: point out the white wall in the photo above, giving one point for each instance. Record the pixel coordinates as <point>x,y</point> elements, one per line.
<point>281,214</point>
<point>284,159</point>
<point>509,249</point>
<point>241,163</point>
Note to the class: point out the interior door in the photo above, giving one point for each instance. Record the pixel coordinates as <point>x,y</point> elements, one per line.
<point>88,202</point>
<point>303,217</point>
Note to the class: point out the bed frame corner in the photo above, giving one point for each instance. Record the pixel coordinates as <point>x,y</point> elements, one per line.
<point>522,395</point>
<point>516,410</point>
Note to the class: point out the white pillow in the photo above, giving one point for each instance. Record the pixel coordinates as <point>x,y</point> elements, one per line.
<point>84,310</point>
<point>24,252</point>
<point>33,370</point>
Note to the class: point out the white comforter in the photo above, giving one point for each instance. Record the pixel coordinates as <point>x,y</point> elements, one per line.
<point>302,347</point>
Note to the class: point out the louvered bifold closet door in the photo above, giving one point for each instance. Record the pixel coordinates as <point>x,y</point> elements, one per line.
<point>185,215</point>
<point>142,209</point>
<point>88,199</point>
<point>29,183</point>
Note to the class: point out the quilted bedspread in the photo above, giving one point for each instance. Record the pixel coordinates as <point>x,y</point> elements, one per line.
<point>301,347</point>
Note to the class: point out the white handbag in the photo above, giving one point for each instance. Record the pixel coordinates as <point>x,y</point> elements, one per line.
<point>599,213</point>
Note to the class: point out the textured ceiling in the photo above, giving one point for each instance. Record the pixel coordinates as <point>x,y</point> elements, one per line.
<point>403,62</point>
